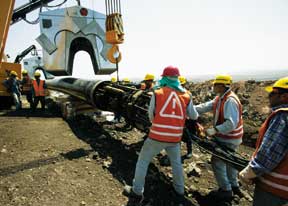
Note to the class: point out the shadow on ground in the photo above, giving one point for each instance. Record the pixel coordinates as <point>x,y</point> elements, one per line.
<point>158,187</point>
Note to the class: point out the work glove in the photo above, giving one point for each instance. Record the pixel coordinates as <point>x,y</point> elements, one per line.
<point>247,175</point>
<point>211,131</point>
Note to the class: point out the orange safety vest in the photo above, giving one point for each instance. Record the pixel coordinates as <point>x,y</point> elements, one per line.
<point>275,182</point>
<point>237,133</point>
<point>28,85</point>
<point>39,89</point>
<point>170,115</point>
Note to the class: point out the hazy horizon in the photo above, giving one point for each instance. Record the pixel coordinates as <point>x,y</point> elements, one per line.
<point>246,75</point>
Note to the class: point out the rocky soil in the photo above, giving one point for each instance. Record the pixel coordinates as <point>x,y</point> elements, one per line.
<point>85,161</point>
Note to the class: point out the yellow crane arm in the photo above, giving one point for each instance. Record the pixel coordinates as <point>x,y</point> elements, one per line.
<point>6,10</point>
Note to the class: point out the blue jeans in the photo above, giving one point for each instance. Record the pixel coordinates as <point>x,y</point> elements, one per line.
<point>262,198</point>
<point>148,151</point>
<point>17,100</point>
<point>226,176</point>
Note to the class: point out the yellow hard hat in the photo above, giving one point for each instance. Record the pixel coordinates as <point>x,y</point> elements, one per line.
<point>14,73</point>
<point>113,79</point>
<point>182,79</point>
<point>149,77</point>
<point>223,79</point>
<point>24,71</point>
<point>37,74</point>
<point>281,83</point>
<point>126,80</point>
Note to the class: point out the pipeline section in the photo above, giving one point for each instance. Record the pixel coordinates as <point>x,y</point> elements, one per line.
<point>133,105</point>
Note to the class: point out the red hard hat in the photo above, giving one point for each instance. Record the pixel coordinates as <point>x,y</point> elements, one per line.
<point>171,71</point>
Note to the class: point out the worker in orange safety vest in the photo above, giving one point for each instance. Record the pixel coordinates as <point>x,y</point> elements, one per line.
<point>227,130</point>
<point>170,104</point>
<point>268,168</point>
<point>26,87</point>
<point>39,87</point>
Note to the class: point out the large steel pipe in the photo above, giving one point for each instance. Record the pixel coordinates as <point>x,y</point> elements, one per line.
<point>130,102</point>
<point>79,88</point>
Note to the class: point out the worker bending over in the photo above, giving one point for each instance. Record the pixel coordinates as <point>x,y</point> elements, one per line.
<point>12,85</point>
<point>268,168</point>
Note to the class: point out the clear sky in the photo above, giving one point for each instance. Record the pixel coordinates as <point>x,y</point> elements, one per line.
<point>199,36</point>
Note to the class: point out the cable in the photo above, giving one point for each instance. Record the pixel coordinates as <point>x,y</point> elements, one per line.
<point>58,5</point>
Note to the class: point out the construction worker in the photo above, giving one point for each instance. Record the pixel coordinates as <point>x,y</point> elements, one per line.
<point>169,106</point>
<point>26,87</point>
<point>126,80</point>
<point>268,168</point>
<point>13,87</point>
<point>228,131</point>
<point>183,81</point>
<point>148,82</point>
<point>113,79</point>
<point>39,87</point>
<point>186,135</point>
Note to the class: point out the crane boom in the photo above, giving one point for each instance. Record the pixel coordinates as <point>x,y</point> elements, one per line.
<point>20,56</point>
<point>20,12</point>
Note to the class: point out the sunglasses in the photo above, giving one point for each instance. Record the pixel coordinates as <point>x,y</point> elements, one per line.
<point>274,93</point>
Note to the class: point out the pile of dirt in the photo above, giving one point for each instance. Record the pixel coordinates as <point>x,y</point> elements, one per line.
<point>86,161</point>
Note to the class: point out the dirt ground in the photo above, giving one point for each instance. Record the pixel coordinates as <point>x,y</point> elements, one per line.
<point>46,160</point>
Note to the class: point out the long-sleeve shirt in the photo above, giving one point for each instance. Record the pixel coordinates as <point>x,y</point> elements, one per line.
<point>274,145</point>
<point>231,116</point>
<point>190,111</point>
<point>12,85</point>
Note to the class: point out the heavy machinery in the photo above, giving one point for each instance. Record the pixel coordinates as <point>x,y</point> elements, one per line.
<point>20,56</point>
<point>64,32</point>
<point>132,104</point>
<point>7,17</point>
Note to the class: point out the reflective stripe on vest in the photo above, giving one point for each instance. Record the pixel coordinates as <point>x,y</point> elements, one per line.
<point>170,115</point>
<point>28,85</point>
<point>275,182</point>
<point>39,89</point>
<point>237,133</point>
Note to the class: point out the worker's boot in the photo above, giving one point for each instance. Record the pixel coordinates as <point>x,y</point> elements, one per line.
<point>221,195</point>
<point>237,191</point>
<point>189,151</point>
<point>128,191</point>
